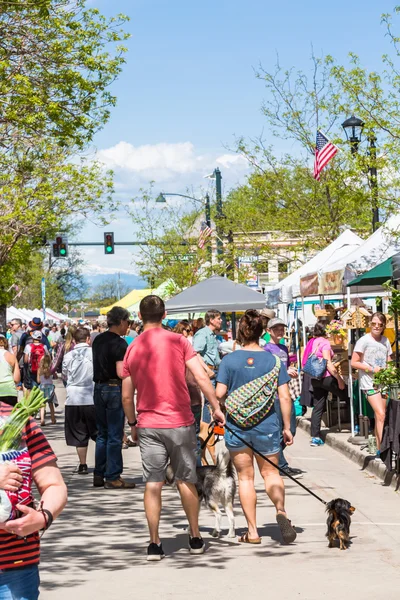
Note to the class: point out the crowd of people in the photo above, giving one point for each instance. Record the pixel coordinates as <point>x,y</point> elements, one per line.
<point>166,386</point>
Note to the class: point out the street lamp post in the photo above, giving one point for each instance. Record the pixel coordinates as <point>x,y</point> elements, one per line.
<point>207,205</point>
<point>353,129</point>
<point>219,215</point>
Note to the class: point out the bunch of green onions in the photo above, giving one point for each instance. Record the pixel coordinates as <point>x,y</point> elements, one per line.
<point>10,434</point>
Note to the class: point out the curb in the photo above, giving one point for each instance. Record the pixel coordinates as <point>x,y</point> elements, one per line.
<point>362,459</point>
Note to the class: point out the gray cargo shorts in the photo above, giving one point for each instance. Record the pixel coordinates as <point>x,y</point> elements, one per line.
<point>159,447</point>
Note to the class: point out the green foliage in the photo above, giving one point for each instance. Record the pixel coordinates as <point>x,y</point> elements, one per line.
<point>64,281</point>
<point>57,61</point>
<point>394,307</point>
<point>388,377</point>
<point>55,71</point>
<point>108,292</point>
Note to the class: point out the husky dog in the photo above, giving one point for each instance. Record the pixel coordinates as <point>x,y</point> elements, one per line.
<point>216,485</point>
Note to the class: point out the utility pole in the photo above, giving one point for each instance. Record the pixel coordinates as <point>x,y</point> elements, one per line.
<point>374,183</point>
<point>219,215</point>
<point>208,221</point>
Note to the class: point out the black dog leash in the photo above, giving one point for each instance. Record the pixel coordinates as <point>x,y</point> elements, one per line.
<point>274,465</point>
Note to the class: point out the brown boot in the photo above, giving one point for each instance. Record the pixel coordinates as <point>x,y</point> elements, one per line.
<point>119,484</point>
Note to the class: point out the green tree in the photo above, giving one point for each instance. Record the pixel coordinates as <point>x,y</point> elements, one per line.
<point>55,71</point>
<point>171,233</point>
<point>57,61</point>
<point>108,292</point>
<point>64,281</point>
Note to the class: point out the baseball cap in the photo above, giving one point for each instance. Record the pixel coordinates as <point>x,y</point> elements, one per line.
<point>274,322</point>
<point>36,335</point>
<point>268,312</point>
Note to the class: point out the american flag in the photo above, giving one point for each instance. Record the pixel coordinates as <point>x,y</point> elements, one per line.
<point>324,152</point>
<point>205,232</point>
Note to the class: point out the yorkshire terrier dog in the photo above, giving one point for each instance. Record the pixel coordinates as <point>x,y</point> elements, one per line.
<point>338,522</point>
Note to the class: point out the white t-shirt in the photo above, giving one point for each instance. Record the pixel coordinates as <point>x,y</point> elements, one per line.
<point>376,354</point>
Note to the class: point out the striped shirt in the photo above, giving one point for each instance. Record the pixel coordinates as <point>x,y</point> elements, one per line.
<point>16,552</point>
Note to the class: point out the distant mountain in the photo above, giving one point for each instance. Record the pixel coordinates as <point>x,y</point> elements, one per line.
<point>133,281</point>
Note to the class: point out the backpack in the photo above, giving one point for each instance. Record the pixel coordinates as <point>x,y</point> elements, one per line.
<point>36,354</point>
<point>249,404</point>
<point>80,368</point>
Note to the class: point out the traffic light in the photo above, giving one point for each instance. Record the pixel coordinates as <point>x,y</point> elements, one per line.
<point>60,247</point>
<point>109,243</point>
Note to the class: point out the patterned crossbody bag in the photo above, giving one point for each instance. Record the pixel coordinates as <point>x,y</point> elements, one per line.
<point>251,402</point>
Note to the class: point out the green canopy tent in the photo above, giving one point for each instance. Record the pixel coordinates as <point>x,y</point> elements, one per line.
<point>376,276</point>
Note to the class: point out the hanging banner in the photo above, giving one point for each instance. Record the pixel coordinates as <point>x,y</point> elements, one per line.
<point>331,283</point>
<point>250,264</point>
<point>309,285</point>
<point>44,298</point>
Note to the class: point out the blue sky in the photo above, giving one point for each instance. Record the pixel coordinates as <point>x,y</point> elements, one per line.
<point>188,87</point>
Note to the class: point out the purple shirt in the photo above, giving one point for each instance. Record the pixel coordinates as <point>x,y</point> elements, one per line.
<point>279,350</point>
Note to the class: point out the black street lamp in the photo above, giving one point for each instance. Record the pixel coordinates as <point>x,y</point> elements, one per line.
<point>207,205</point>
<point>353,129</point>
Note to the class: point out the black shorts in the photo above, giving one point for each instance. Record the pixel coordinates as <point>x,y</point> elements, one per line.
<point>80,425</point>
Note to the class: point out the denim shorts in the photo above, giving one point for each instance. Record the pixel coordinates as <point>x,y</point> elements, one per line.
<point>22,583</point>
<point>264,437</point>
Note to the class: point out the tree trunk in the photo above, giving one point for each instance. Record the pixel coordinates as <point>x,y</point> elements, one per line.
<point>3,318</point>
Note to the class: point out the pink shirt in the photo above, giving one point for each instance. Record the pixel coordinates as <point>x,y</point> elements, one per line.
<point>156,362</point>
<point>317,345</point>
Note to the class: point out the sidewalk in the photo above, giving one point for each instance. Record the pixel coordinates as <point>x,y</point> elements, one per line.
<point>339,441</point>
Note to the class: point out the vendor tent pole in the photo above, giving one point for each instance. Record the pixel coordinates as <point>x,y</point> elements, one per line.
<point>396,329</point>
<point>233,325</point>
<point>350,382</point>
<point>303,317</point>
<point>296,332</point>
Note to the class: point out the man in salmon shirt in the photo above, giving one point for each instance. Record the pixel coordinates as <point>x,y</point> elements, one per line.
<point>155,366</point>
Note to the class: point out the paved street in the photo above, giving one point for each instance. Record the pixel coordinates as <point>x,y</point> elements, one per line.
<point>97,547</point>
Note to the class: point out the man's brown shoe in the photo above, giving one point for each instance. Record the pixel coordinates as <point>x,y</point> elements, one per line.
<point>119,484</point>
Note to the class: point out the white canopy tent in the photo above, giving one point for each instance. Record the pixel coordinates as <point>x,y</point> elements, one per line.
<point>289,288</point>
<point>382,244</point>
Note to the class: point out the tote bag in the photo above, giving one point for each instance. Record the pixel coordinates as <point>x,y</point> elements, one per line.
<point>315,367</point>
<point>250,403</point>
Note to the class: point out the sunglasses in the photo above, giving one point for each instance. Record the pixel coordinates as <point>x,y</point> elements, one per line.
<point>377,325</point>
<point>187,330</point>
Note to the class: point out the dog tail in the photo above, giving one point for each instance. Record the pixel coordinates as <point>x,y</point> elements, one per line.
<point>224,464</point>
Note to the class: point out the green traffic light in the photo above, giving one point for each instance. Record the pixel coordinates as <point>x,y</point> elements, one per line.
<point>63,251</point>
<point>109,249</point>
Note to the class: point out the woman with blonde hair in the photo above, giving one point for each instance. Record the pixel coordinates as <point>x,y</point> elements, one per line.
<point>371,354</point>
<point>9,374</point>
<point>46,385</point>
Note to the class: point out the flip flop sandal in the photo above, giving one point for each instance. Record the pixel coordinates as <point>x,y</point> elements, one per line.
<point>287,530</point>
<point>244,539</point>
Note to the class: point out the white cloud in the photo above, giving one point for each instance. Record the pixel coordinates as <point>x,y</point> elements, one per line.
<point>232,160</point>
<point>158,160</point>
<point>163,162</point>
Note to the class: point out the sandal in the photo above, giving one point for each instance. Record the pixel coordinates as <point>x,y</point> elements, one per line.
<point>244,539</point>
<point>287,530</point>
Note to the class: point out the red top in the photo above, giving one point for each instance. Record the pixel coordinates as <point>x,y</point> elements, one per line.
<point>16,552</point>
<point>156,361</point>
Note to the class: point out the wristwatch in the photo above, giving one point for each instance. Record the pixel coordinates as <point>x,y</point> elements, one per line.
<point>133,424</point>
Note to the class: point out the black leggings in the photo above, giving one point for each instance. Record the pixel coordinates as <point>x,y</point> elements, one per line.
<point>321,389</point>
